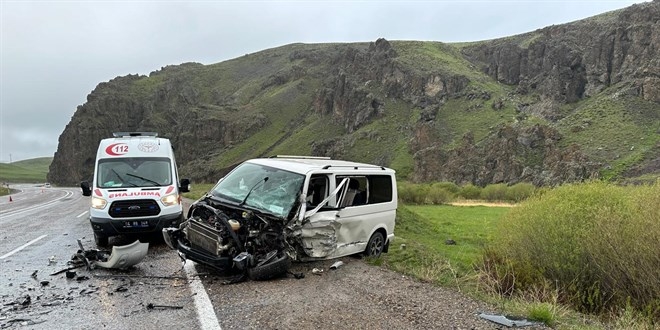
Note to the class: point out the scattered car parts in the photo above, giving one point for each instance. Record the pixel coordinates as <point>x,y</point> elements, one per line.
<point>508,321</point>
<point>122,257</point>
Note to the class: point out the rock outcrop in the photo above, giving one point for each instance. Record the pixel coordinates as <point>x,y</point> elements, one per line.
<point>489,112</point>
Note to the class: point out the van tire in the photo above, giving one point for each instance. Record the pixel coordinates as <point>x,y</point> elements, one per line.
<point>100,240</point>
<point>375,245</point>
<point>276,268</point>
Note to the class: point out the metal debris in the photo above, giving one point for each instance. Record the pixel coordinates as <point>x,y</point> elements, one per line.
<point>66,270</point>
<point>121,257</point>
<point>125,256</point>
<point>121,288</point>
<point>508,321</point>
<point>337,264</point>
<point>152,306</point>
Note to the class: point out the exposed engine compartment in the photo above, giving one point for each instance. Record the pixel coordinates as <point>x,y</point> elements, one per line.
<point>236,238</point>
<point>228,232</point>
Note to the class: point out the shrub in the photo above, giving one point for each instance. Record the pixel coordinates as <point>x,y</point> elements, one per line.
<point>494,192</point>
<point>412,193</point>
<point>519,192</point>
<point>405,191</point>
<point>470,191</point>
<point>597,242</point>
<point>448,186</point>
<point>439,195</point>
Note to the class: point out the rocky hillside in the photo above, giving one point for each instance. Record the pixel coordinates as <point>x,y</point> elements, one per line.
<point>560,104</point>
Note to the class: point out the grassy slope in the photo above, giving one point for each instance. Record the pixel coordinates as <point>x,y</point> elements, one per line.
<point>612,128</point>
<point>615,130</point>
<point>293,127</point>
<point>25,171</point>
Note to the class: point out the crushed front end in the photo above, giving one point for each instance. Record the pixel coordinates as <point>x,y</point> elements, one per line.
<point>229,238</point>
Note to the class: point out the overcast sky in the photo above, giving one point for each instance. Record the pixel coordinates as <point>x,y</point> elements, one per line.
<point>54,53</point>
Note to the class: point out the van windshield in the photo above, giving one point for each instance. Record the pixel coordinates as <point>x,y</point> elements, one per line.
<point>268,189</point>
<point>134,172</point>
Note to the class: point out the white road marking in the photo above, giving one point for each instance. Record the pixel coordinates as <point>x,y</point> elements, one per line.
<point>81,214</point>
<point>22,247</point>
<point>205,313</point>
<point>35,207</point>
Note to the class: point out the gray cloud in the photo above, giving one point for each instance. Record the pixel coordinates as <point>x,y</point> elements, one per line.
<point>54,53</point>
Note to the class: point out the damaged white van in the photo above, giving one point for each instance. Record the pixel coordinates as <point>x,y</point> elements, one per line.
<point>269,211</point>
<point>136,188</point>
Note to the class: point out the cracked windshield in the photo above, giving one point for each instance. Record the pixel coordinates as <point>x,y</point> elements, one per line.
<point>134,172</point>
<point>268,189</point>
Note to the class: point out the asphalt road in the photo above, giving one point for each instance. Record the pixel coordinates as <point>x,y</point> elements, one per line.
<point>40,228</point>
<point>38,236</point>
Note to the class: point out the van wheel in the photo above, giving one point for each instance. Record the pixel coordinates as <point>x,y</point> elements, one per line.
<point>375,245</point>
<point>100,240</point>
<point>277,267</point>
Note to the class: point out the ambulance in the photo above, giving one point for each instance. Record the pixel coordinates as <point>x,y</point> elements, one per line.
<point>136,188</point>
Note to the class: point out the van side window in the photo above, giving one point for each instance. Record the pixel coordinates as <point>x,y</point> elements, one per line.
<point>380,188</point>
<point>317,190</point>
<point>356,192</point>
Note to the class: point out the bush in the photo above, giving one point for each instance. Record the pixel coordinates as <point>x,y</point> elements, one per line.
<point>412,193</point>
<point>405,191</point>
<point>470,191</point>
<point>494,192</point>
<point>448,186</point>
<point>519,192</point>
<point>439,195</point>
<point>597,242</point>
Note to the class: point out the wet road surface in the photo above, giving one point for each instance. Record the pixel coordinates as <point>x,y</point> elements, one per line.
<point>38,236</point>
<point>39,232</point>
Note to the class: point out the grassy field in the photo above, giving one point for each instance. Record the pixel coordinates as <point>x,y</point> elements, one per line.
<point>25,171</point>
<point>441,243</point>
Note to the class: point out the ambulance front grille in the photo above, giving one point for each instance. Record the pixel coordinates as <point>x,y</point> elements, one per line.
<point>134,208</point>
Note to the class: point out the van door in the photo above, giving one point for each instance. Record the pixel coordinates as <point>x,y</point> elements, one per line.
<point>345,220</point>
<point>319,225</point>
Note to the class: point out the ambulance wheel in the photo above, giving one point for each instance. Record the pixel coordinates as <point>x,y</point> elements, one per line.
<point>100,240</point>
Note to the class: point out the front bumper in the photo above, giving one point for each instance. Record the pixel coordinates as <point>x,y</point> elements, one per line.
<point>112,227</point>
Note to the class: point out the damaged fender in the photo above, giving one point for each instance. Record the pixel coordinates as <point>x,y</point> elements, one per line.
<point>125,256</point>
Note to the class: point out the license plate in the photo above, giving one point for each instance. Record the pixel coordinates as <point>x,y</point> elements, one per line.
<point>136,224</point>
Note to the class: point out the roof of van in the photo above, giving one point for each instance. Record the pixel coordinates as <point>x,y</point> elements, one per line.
<point>303,165</point>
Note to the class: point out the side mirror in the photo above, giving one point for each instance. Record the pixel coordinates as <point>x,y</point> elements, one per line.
<point>184,185</point>
<point>86,190</point>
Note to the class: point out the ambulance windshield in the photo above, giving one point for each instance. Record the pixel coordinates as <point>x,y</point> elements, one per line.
<point>134,172</point>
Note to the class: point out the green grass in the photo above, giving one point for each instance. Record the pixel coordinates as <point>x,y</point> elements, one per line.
<point>198,190</point>
<point>25,171</point>
<point>595,244</point>
<point>613,128</point>
<point>424,229</point>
